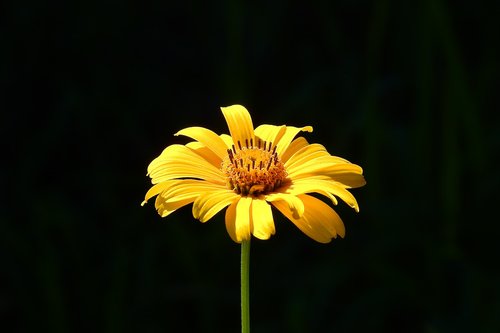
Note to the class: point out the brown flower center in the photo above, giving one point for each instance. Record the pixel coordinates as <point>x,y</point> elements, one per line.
<point>253,170</point>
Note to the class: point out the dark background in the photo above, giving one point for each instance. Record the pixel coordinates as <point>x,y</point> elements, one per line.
<point>92,91</point>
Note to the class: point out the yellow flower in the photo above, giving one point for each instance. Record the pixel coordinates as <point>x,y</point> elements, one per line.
<point>250,171</point>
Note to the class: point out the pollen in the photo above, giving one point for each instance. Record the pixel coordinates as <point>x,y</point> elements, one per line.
<point>253,169</point>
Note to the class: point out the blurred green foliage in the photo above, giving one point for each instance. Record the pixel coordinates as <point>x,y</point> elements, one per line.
<point>93,91</point>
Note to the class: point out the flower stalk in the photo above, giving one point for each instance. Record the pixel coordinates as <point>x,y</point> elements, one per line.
<point>251,172</point>
<point>245,286</point>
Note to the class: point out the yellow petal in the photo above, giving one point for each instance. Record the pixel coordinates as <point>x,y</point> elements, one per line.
<point>313,157</point>
<point>155,190</point>
<point>174,194</point>
<point>290,133</point>
<point>178,187</point>
<point>295,205</point>
<point>231,220</point>
<point>325,167</point>
<point>181,189</point>
<point>350,177</point>
<point>174,153</point>
<point>262,219</point>
<point>345,179</point>
<point>312,154</point>
<point>206,137</point>
<point>320,221</point>
<point>209,204</point>
<point>180,170</point>
<point>207,154</point>
<point>166,208</point>
<point>345,195</point>
<point>306,154</point>
<point>324,186</point>
<point>242,219</point>
<point>309,185</point>
<point>178,161</point>
<point>296,145</point>
<point>270,133</point>
<point>239,122</point>
<point>228,140</point>
<point>324,214</point>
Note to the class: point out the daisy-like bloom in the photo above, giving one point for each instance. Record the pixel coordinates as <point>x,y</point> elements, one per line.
<point>251,171</point>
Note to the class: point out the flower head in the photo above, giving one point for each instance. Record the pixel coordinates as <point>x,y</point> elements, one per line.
<point>249,172</point>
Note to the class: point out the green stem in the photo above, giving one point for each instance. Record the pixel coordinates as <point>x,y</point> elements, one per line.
<point>245,287</point>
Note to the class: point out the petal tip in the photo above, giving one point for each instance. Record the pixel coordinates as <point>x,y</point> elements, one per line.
<point>239,106</point>
<point>307,129</point>
<point>296,214</point>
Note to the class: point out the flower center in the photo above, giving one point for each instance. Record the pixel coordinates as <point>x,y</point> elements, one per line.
<point>253,170</point>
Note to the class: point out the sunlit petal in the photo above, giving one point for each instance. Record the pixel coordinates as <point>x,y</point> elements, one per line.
<point>310,186</point>
<point>325,167</point>
<point>206,137</point>
<point>306,154</point>
<point>312,154</point>
<point>290,133</point>
<point>155,190</point>
<point>320,221</point>
<point>166,208</point>
<point>178,161</point>
<point>262,219</point>
<point>326,187</point>
<point>293,147</point>
<point>295,205</point>
<point>239,122</point>
<point>181,170</point>
<point>181,189</point>
<point>230,220</point>
<point>207,154</point>
<point>242,219</point>
<point>210,203</point>
<point>349,175</point>
<point>270,133</point>
<point>228,140</point>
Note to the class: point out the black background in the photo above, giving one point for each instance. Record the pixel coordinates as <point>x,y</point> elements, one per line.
<point>92,91</point>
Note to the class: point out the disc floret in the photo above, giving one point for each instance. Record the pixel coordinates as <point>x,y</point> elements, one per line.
<point>253,169</point>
